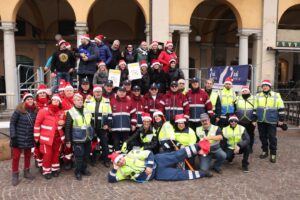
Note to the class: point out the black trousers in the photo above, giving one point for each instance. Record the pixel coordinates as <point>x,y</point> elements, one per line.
<point>118,138</point>
<point>250,130</point>
<point>194,125</point>
<point>245,151</point>
<point>267,136</point>
<point>81,155</point>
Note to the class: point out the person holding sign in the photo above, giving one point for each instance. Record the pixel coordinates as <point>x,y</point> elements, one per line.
<point>124,71</point>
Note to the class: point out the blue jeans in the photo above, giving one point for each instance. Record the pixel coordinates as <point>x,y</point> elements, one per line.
<point>60,75</point>
<point>220,158</point>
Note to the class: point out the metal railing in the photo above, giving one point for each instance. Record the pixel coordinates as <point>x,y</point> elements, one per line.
<point>292,112</point>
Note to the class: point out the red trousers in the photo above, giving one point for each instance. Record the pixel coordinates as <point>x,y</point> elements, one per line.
<point>16,153</point>
<point>51,156</point>
<point>38,156</point>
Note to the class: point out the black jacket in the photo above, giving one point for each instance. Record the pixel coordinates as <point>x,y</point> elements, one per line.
<point>130,58</point>
<point>21,127</point>
<point>116,57</point>
<point>135,140</point>
<point>62,61</point>
<point>89,66</point>
<point>160,78</point>
<point>153,55</point>
<point>175,74</point>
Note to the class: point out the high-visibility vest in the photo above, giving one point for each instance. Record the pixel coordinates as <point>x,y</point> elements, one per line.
<point>81,130</point>
<point>148,137</point>
<point>227,98</point>
<point>166,132</point>
<point>213,99</point>
<point>134,165</point>
<point>267,107</point>
<point>211,132</point>
<point>233,136</point>
<point>186,138</point>
<point>245,108</point>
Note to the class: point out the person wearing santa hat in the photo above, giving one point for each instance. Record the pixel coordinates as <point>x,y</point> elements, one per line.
<point>166,55</point>
<point>67,101</point>
<point>122,66</point>
<point>130,54</point>
<point>213,134</point>
<point>245,109</point>
<point>62,65</point>
<point>236,141</point>
<point>101,76</point>
<point>116,54</point>
<point>270,112</point>
<point>153,52</point>
<point>227,98</point>
<point>49,133</point>
<point>89,54</point>
<point>142,52</point>
<point>158,76</point>
<point>79,133</point>
<point>142,165</point>
<point>144,137</point>
<point>21,136</point>
<point>101,111</point>
<point>164,131</point>
<point>145,80</point>
<point>61,88</point>
<point>104,52</point>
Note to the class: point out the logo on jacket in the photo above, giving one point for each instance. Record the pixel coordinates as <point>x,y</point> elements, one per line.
<point>63,57</point>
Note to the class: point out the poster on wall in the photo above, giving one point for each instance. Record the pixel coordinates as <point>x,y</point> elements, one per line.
<point>239,74</point>
<point>115,76</point>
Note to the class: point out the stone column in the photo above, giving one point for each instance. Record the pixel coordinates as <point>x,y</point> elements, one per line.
<point>256,59</point>
<point>160,20</point>
<point>269,31</point>
<point>171,31</point>
<point>147,33</point>
<point>243,47</point>
<point>10,64</point>
<point>81,29</point>
<point>184,53</point>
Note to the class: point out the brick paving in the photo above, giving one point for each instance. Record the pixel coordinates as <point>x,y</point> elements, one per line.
<point>264,181</point>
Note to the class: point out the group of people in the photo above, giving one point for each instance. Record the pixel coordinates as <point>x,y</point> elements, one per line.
<point>156,130</point>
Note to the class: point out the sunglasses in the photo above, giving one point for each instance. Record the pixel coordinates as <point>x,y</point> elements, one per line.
<point>231,121</point>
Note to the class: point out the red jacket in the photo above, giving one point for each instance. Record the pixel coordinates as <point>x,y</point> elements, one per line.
<point>164,58</point>
<point>42,103</point>
<point>152,105</point>
<point>84,94</point>
<point>67,103</point>
<point>199,103</point>
<point>175,103</point>
<point>46,126</point>
<point>139,104</point>
<point>123,114</point>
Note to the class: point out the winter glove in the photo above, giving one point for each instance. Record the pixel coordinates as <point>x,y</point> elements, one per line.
<point>124,147</point>
<point>14,142</point>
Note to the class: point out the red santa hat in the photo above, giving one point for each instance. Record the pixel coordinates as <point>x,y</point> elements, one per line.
<point>99,38</point>
<point>245,88</point>
<point>228,80</point>
<point>146,116</point>
<point>97,88</point>
<point>154,43</point>
<point>154,62</point>
<point>26,95</point>
<point>169,43</point>
<point>68,45</point>
<point>101,63</point>
<point>62,85</point>
<point>85,36</point>
<point>180,118</point>
<point>143,63</point>
<point>115,157</point>
<point>122,62</point>
<point>204,147</point>
<point>60,42</point>
<point>56,96</point>
<point>266,82</point>
<point>41,88</point>
<point>233,117</point>
<point>69,86</point>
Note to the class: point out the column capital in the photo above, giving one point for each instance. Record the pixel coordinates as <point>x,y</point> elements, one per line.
<point>8,26</point>
<point>185,32</point>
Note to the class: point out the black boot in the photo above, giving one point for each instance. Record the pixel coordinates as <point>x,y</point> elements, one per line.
<point>15,179</point>
<point>55,173</point>
<point>48,176</point>
<point>273,158</point>
<point>263,155</point>
<point>28,175</point>
<point>78,176</point>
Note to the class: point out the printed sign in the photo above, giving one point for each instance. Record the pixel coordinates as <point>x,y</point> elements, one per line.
<point>115,76</point>
<point>134,71</point>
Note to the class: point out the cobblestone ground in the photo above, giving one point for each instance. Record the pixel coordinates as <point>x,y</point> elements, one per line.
<point>264,181</point>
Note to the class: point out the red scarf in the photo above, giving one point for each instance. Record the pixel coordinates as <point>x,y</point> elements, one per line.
<point>29,107</point>
<point>53,108</point>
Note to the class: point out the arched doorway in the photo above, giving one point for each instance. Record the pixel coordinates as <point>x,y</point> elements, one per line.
<point>116,19</point>
<point>213,40</point>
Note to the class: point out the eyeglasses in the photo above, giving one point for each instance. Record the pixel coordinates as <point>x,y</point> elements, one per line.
<point>181,83</point>
<point>233,121</point>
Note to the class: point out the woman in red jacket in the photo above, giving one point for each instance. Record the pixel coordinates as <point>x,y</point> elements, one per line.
<point>167,55</point>
<point>48,133</point>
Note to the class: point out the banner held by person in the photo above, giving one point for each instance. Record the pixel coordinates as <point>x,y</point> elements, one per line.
<point>134,71</point>
<point>115,76</point>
